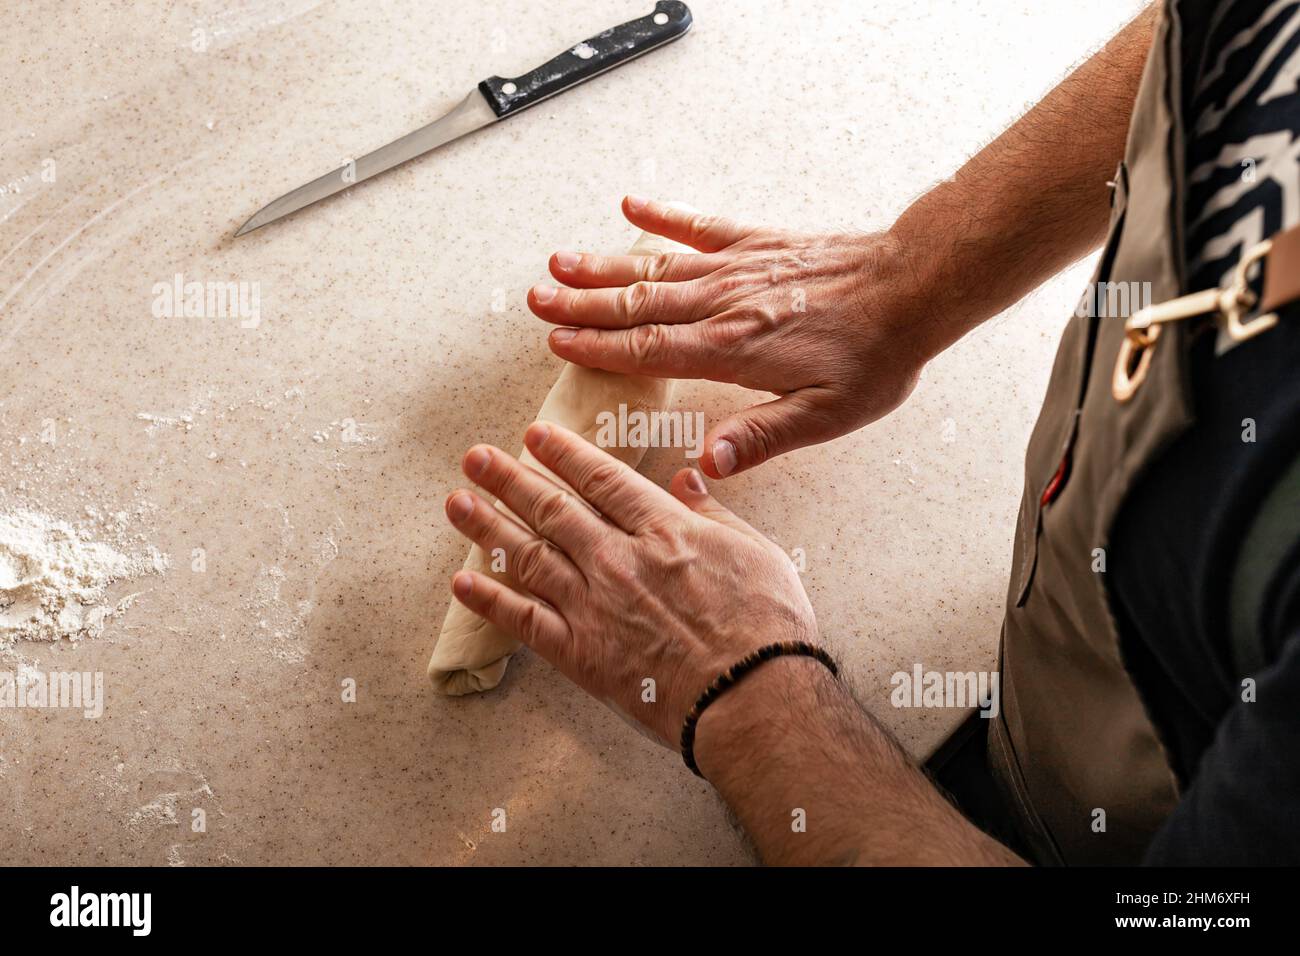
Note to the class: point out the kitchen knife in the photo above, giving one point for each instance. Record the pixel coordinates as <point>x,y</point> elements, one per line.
<point>496,98</point>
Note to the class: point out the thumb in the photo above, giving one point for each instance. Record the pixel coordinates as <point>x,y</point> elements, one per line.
<point>688,487</point>
<point>764,431</point>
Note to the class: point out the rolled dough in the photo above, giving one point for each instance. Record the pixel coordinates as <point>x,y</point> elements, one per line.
<point>471,654</point>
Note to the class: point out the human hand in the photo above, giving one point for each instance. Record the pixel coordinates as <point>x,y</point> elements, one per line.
<point>626,582</point>
<point>825,321</point>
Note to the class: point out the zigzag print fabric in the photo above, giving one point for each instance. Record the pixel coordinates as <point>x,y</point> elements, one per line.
<point>1242,109</point>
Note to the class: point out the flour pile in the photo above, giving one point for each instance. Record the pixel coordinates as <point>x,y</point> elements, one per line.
<point>53,579</point>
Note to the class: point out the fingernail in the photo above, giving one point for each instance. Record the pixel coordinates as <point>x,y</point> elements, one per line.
<point>695,483</point>
<point>544,293</point>
<point>563,335</point>
<point>460,507</point>
<point>567,260</point>
<point>538,434</point>
<point>476,462</point>
<point>724,457</point>
<point>462,584</point>
<point>636,203</point>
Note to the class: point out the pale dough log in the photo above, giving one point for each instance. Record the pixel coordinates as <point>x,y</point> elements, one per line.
<point>471,654</point>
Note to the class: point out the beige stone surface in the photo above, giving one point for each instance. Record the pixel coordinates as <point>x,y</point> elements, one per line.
<point>302,463</point>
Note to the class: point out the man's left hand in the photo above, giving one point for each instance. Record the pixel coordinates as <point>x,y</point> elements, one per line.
<point>625,582</point>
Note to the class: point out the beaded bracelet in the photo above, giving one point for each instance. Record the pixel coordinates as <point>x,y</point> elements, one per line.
<point>733,674</point>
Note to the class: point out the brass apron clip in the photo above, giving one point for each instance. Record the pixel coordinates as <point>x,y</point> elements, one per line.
<point>1227,306</point>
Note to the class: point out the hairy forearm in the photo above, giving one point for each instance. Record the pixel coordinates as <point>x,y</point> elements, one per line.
<point>1031,202</point>
<point>814,780</point>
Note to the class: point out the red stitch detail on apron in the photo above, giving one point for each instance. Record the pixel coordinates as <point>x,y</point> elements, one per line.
<point>1058,481</point>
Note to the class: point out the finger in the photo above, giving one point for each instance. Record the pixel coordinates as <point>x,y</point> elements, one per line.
<point>689,488</point>
<point>584,271</point>
<point>695,229</point>
<point>540,627</point>
<point>615,490</point>
<point>540,503</point>
<point>668,351</point>
<point>641,303</point>
<point>764,431</point>
<point>533,562</point>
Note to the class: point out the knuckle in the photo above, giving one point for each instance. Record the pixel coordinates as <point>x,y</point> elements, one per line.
<point>722,349</point>
<point>636,301</point>
<point>618,568</point>
<point>485,520</point>
<point>645,342</point>
<point>561,459</point>
<point>758,440</point>
<point>503,480</point>
<point>496,471</point>
<point>528,622</point>
<point>660,268</point>
<point>759,317</point>
<point>600,480</point>
<point>668,532</point>
<point>549,509</point>
<point>530,561</point>
<point>721,338</point>
<point>733,280</point>
<point>702,226</point>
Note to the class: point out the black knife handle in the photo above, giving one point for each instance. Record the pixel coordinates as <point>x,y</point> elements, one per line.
<point>614,47</point>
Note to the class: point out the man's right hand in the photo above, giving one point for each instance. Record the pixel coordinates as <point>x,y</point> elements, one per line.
<point>823,321</point>
<point>840,325</point>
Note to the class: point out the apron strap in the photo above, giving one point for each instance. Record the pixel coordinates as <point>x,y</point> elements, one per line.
<point>1282,278</point>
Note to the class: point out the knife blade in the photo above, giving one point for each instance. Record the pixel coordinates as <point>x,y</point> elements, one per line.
<point>494,99</point>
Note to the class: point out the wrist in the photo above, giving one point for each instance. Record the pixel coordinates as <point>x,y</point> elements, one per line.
<point>926,276</point>
<point>738,729</point>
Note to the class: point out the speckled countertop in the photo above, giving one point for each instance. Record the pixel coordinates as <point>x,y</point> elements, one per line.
<point>294,471</point>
